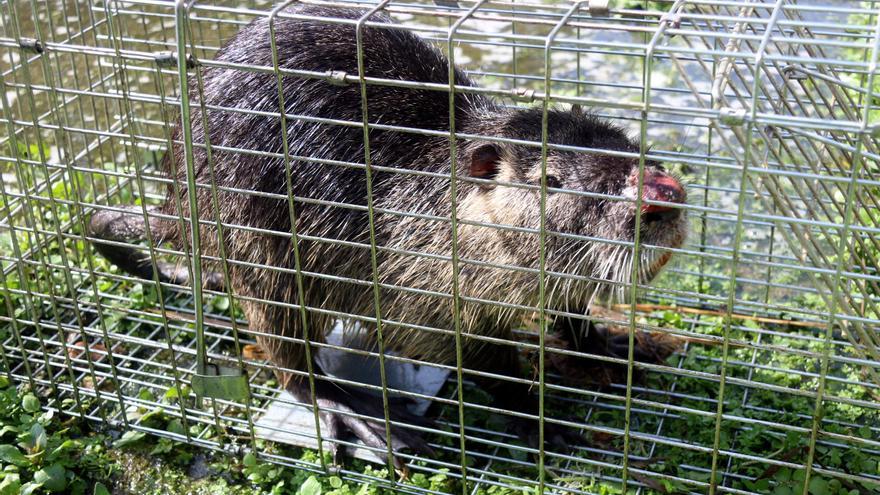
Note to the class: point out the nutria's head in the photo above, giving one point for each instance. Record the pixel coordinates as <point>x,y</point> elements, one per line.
<point>607,216</point>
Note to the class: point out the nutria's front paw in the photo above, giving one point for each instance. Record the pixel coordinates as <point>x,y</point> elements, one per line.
<point>600,340</point>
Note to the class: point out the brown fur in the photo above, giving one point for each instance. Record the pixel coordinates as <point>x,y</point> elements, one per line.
<point>416,291</point>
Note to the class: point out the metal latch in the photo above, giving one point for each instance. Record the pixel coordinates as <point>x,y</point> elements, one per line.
<point>337,77</point>
<point>523,94</point>
<point>169,60</point>
<point>31,44</point>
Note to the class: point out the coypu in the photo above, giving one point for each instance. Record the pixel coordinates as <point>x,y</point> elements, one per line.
<point>336,262</point>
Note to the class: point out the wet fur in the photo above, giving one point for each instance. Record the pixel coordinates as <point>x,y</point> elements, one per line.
<point>395,54</point>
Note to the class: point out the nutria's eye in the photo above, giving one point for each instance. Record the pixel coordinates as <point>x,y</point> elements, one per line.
<point>553,181</point>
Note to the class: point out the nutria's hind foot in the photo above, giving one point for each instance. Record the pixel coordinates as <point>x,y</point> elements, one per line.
<point>129,226</point>
<point>519,397</point>
<point>348,409</point>
<point>557,438</point>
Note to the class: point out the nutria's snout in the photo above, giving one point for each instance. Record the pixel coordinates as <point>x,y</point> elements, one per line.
<point>657,186</point>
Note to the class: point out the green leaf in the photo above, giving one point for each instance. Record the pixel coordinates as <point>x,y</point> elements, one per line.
<point>77,486</point>
<point>65,445</point>
<point>147,395</point>
<point>11,485</point>
<point>782,475</point>
<point>30,403</point>
<point>100,489</point>
<point>783,489</point>
<point>819,486</point>
<point>762,485</point>
<point>30,488</point>
<point>220,303</point>
<point>834,486</point>
<point>311,487</point>
<point>11,454</point>
<point>129,438</point>
<point>250,460</point>
<point>38,438</point>
<point>52,478</point>
<point>172,393</point>
<point>175,426</point>
<point>439,480</point>
<point>336,482</point>
<point>155,414</point>
<point>163,446</point>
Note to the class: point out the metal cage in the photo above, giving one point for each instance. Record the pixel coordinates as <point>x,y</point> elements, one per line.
<point>766,108</point>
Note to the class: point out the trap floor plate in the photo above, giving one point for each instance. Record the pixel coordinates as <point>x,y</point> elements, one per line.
<point>288,422</point>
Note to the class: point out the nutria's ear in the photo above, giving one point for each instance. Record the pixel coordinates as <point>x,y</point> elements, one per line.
<point>485,161</point>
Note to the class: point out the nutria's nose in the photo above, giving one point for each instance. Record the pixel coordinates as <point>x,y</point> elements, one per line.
<point>657,186</point>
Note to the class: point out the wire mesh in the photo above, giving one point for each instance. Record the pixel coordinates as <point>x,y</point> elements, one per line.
<point>765,108</point>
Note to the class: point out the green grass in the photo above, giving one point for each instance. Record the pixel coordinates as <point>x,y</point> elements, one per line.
<point>41,452</point>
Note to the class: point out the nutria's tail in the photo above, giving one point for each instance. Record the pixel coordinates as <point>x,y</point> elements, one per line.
<point>114,231</point>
